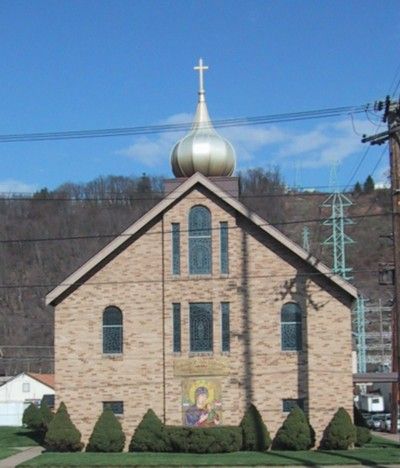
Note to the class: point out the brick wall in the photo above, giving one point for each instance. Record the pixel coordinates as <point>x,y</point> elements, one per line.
<point>263,275</point>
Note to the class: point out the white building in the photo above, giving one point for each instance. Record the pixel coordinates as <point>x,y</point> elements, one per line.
<point>18,392</point>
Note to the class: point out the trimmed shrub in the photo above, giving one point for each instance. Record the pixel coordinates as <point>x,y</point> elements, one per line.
<point>358,418</point>
<point>46,416</point>
<point>107,435</point>
<point>218,439</point>
<point>31,417</point>
<point>363,435</point>
<point>254,432</point>
<point>295,433</point>
<point>340,434</point>
<point>62,435</point>
<point>150,435</point>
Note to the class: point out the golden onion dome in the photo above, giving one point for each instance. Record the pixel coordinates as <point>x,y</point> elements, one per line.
<point>202,149</point>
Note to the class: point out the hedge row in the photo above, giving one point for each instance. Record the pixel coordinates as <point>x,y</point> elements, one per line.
<point>58,433</point>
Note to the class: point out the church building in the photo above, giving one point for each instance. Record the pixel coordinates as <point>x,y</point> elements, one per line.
<point>200,308</point>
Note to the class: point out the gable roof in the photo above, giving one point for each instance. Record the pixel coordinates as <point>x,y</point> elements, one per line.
<point>46,379</point>
<point>164,204</point>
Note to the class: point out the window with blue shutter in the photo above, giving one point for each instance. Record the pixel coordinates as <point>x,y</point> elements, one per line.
<point>176,319</point>
<point>201,327</point>
<point>225,327</point>
<point>224,247</point>
<point>176,249</point>
<point>199,240</point>
<point>291,327</point>
<point>112,331</point>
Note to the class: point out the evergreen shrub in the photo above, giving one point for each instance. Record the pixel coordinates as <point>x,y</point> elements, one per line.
<point>150,435</point>
<point>219,439</point>
<point>363,435</point>
<point>107,435</point>
<point>363,432</point>
<point>46,416</point>
<point>62,435</point>
<point>254,432</point>
<point>32,417</point>
<point>340,434</point>
<point>295,433</point>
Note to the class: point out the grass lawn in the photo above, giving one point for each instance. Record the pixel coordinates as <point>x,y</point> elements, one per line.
<point>7,452</point>
<point>378,452</point>
<point>16,437</point>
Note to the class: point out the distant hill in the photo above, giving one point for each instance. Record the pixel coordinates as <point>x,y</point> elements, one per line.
<point>102,208</point>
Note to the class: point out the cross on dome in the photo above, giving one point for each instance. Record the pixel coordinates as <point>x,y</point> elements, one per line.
<point>201,68</point>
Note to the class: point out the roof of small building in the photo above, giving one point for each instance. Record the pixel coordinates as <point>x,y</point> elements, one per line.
<point>46,379</point>
<point>72,281</point>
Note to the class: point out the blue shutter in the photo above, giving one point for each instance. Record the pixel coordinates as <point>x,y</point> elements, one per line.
<point>224,247</point>
<point>289,403</point>
<point>225,327</point>
<point>201,327</point>
<point>176,249</point>
<point>176,311</point>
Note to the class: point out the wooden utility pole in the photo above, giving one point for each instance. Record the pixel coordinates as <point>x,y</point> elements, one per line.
<point>392,117</point>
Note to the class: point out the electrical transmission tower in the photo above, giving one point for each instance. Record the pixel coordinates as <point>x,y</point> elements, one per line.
<point>337,202</point>
<point>306,238</point>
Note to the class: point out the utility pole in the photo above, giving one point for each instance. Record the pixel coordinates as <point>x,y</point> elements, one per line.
<point>392,117</point>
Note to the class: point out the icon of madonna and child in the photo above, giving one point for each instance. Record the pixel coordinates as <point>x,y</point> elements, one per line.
<point>201,403</point>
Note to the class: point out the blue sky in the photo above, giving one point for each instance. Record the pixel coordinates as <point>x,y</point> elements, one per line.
<point>77,65</point>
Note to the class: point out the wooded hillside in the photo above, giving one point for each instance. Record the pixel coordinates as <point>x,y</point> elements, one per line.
<point>47,236</point>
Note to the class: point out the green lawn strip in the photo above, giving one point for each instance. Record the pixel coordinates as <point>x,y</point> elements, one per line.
<point>16,437</point>
<point>370,456</point>
<point>382,442</point>
<point>7,452</point>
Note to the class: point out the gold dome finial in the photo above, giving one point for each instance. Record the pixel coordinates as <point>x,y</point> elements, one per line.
<point>202,149</point>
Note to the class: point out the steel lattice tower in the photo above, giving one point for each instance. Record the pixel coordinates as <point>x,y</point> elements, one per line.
<point>306,238</point>
<point>338,202</point>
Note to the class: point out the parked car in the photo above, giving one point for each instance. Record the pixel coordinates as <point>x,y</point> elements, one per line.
<point>374,421</point>
<point>386,423</point>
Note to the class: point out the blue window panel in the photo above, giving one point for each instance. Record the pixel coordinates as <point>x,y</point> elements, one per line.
<point>225,327</point>
<point>201,327</point>
<point>289,403</point>
<point>112,331</point>
<point>117,407</point>
<point>200,252</point>
<point>224,247</point>
<point>291,327</point>
<point>176,249</point>
<point>176,311</point>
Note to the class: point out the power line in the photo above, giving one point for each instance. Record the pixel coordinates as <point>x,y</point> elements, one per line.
<point>151,129</point>
<point>114,235</point>
<point>175,280</point>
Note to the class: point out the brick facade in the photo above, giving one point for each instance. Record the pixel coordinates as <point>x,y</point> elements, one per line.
<point>263,275</point>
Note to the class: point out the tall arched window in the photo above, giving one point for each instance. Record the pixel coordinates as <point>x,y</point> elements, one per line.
<point>199,240</point>
<point>112,330</point>
<point>291,328</point>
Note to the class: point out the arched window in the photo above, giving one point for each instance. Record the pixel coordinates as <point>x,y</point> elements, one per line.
<point>291,329</point>
<point>199,240</point>
<point>112,330</point>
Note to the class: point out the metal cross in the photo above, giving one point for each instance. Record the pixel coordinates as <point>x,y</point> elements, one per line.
<point>200,67</point>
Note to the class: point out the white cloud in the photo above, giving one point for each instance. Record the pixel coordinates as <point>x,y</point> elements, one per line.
<point>316,146</point>
<point>16,186</point>
<point>153,149</point>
